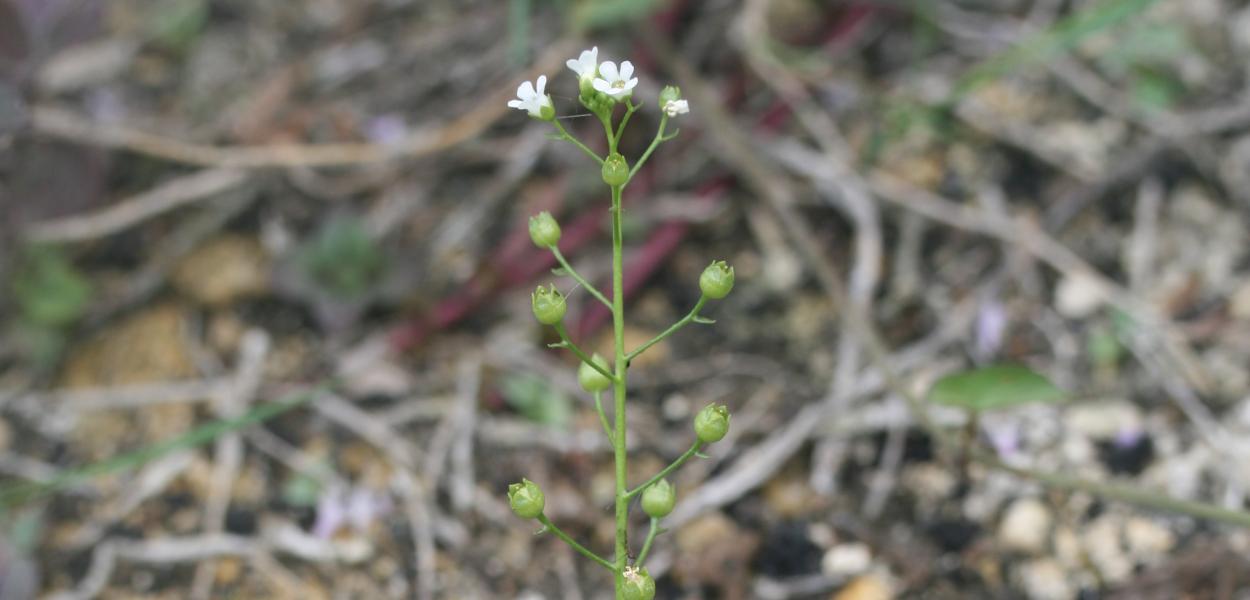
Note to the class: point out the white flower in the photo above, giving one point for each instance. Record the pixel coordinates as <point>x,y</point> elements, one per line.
<point>586,65</point>
<point>676,107</point>
<point>529,99</point>
<point>613,83</point>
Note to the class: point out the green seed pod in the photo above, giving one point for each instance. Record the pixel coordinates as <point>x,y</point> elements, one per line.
<point>658,499</point>
<point>590,378</point>
<point>638,585</point>
<point>526,499</point>
<point>670,93</point>
<point>615,170</point>
<point>548,304</point>
<point>544,230</point>
<point>717,279</point>
<point>712,423</point>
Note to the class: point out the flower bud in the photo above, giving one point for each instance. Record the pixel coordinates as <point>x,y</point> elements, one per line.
<point>590,378</point>
<point>586,88</point>
<point>546,112</point>
<point>638,585</point>
<point>544,230</point>
<point>712,423</point>
<point>658,499</point>
<point>717,279</point>
<point>526,499</point>
<point>548,304</point>
<point>670,93</point>
<point>615,170</point>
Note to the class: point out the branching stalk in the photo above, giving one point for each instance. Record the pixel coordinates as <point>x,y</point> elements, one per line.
<point>566,342</point>
<point>681,460</point>
<point>655,143</point>
<point>564,264</point>
<point>568,137</point>
<point>686,320</point>
<point>646,546</point>
<point>576,546</point>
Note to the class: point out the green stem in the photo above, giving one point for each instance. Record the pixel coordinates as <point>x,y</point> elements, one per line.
<point>629,112</point>
<point>603,417</point>
<point>646,546</point>
<point>655,143</point>
<point>578,278</point>
<point>694,449</point>
<point>576,546</point>
<point>1123,493</point>
<point>565,135</point>
<point>618,392</point>
<point>694,312</point>
<point>606,119</point>
<point>568,343</point>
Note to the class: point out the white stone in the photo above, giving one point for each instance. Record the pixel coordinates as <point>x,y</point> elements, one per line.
<point>1025,526</point>
<point>1044,579</point>
<point>1078,296</point>
<point>1103,418</point>
<point>1147,540</point>
<point>1101,539</point>
<point>846,560</point>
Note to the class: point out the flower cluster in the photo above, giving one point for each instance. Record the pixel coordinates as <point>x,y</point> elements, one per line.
<point>601,85</point>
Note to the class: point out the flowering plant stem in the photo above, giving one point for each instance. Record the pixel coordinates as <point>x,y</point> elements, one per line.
<point>618,392</point>
<point>602,86</point>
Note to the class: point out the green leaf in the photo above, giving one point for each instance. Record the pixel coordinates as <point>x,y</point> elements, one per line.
<point>607,13</point>
<point>537,400</point>
<point>343,258</point>
<point>1156,91</point>
<point>999,386</point>
<point>49,290</point>
<point>177,23</point>
<point>301,489</point>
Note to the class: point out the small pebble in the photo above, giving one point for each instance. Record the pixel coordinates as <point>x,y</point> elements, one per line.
<point>865,587</point>
<point>1044,579</point>
<point>1078,296</point>
<point>846,559</point>
<point>1025,527</point>
<point>1147,540</point>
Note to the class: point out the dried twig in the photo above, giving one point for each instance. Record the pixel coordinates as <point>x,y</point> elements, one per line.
<point>66,125</point>
<point>131,211</point>
<point>228,455</point>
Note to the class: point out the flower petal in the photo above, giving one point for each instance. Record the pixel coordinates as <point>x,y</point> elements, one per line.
<point>608,71</point>
<point>526,91</point>
<point>542,84</point>
<point>517,104</point>
<point>601,85</point>
<point>629,85</point>
<point>575,65</point>
<point>627,70</point>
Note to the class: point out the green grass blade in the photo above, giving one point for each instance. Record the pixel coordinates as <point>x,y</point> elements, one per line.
<point>1064,36</point>
<point>20,493</point>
